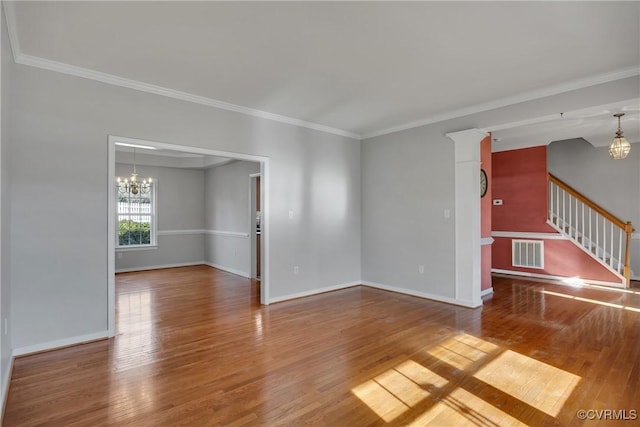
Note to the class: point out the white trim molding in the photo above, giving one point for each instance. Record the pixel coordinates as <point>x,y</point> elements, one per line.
<point>432,297</point>
<point>228,269</point>
<point>228,233</point>
<point>65,342</point>
<point>314,292</point>
<point>111,79</point>
<point>528,235</point>
<point>180,232</point>
<point>6,381</point>
<point>34,61</point>
<point>511,100</point>
<point>562,279</point>
<point>485,292</point>
<point>484,241</point>
<point>159,267</point>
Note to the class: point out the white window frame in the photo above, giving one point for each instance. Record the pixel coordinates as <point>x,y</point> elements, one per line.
<point>153,238</point>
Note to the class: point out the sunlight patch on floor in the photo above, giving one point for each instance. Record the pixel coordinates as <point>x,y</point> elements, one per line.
<point>380,400</point>
<point>462,350</point>
<point>461,408</point>
<point>393,392</point>
<point>542,386</point>
<point>401,389</point>
<point>592,301</point>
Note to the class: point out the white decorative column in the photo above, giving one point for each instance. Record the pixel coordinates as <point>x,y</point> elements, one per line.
<point>467,216</point>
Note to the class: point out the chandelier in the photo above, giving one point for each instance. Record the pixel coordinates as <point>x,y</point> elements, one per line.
<point>620,147</point>
<point>132,185</point>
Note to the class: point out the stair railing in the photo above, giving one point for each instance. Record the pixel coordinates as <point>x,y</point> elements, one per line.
<point>594,229</point>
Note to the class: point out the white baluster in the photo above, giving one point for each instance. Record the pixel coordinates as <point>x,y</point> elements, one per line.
<point>611,253</point>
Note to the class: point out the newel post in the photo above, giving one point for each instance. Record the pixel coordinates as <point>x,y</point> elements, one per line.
<point>628,228</point>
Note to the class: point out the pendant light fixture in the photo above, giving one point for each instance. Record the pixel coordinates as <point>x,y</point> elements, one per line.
<point>620,147</point>
<point>131,185</point>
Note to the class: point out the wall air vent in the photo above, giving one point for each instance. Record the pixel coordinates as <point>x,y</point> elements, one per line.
<point>527,253</point>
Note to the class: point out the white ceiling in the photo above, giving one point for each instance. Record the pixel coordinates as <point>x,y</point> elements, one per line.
<point>356,68</point>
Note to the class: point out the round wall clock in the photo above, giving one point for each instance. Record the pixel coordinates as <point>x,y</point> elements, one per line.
<point>484,183</point>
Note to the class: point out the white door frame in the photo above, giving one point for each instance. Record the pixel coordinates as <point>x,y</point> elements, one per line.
<point>111,216</point>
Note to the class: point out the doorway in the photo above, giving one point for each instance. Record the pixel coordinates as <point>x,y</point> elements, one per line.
<point>112,233</point>
<point>255,224</point>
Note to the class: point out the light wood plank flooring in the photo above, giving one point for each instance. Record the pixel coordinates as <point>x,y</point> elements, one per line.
<point>195,348</point>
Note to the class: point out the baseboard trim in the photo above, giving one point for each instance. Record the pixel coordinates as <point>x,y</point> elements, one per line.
<point>159,267</point>
<point>438,298</point>
<point>65,342</point>
<point>564,280</point>
<point>228,269</point>
<point>485,292</point>
<point>315,292</point>
<point>6,381</point>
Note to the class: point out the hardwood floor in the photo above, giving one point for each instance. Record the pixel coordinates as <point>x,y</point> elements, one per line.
<point>195,348</point>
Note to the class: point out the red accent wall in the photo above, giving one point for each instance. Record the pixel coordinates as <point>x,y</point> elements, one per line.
<point>520,180</point>
<point>485,215</point>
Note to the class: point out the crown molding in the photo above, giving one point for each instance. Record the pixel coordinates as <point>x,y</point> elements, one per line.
<point>60,67</point>
<point>34,61</point>
<point>511,100</point>
<point>10,19</point>
<point>111,79</point>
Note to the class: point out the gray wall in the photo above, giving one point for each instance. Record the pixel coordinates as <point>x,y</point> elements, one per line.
<point>408,182</point>
<point>5,284</point>
<point>58,133</point>
<point>180,207</point>
<point>614,184</point>
<point>227,210</point>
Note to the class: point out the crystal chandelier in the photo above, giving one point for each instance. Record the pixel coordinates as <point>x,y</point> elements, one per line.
<point>131,185</point>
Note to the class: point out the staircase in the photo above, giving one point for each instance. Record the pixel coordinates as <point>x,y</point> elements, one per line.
<point>592,228</point>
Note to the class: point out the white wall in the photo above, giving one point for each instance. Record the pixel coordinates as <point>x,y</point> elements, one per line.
<point>227,192</point>
<point>613,184</point>
<point>58,146</point>
<point>180,207</point>
<point>5,284</point>
<point>408,183</point>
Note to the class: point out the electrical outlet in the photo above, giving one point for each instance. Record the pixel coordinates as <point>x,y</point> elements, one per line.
<point>421,269</point>
<point>296,269</point>
<point>447,213</point>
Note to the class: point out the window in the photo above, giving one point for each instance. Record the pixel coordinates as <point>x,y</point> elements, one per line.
<point>136,217</point>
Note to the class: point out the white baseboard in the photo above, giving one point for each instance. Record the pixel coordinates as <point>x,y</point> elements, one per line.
<point>6,380</point>
<point>558,278</point>
<point>315,292</point>
<point>463,303</point>
<point>65,342</point>
<point>486,292</point>
<point>228,269</point>
<point>158,267</point>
